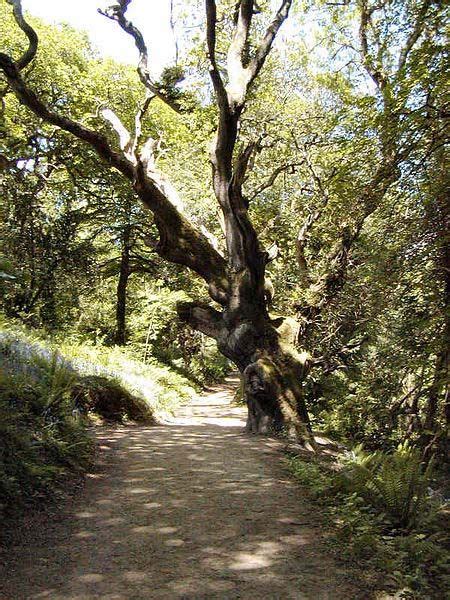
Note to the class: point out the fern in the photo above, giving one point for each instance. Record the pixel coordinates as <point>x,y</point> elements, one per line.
<point>395,484</point>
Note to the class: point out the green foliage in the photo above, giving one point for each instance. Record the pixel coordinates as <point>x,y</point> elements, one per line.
<point>152,387</point>
<point>382,512</point>
<point>156,331</point>
<point>324,127</point>
<point>311,476</point>
<point>48,389</point>
<point>41,441</point>
<point>395,484</point>
<point>109,399</point>
<point>159,386</point>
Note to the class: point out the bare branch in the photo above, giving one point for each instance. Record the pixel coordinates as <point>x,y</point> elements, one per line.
<point>122,133</point>
<point>116,12</point>
<point>264,48</point>
<point>211,23</point>
<point>242,164</point>
<point>415,33</point>
<point>238,76</point>
<point>179,241</point>
<point>238,46</point>
<point>138,121</point>
<point>289,167</point>
<point>272,252</point>
<point>33,41</point>
<point>202,317</point>
<point>375,72</point>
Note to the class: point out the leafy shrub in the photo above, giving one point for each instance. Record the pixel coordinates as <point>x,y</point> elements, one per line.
<point>40,438</point>
<point>156,388</point>
<point>44,395</point>
<point>310,475</point>
<point>382,513</point>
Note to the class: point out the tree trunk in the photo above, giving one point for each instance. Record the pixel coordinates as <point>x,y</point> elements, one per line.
<point>273,392</point>
<point>121,304</point>
<point>262,349</point>
<point>272,373</point>
<point>244,332</point>
<point>437,410</point>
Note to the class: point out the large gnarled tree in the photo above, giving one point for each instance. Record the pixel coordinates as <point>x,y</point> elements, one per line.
<point>243,329</point>
<point>262,347</point>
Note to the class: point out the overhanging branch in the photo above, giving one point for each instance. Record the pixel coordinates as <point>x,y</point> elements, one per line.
<point>180,242</point>
<point>201,317</point>
<point>266,44</point>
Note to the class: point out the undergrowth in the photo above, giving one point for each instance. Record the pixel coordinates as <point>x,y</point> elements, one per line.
<point>384,515</point>
<point>42,440</point>
<point>49,387</point>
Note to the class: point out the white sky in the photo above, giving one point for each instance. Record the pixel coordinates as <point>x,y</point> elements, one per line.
<point>151,16</point>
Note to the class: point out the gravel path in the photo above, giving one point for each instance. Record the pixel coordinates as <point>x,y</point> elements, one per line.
<point>195,510</point>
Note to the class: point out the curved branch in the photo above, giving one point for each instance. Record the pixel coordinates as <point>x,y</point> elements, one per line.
<point>33,40</point>
<point>116,12</point>
<point>290,167</point>
<point>98,141</point>
<point>179,241</point>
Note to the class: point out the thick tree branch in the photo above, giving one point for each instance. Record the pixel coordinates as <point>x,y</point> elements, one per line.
<point>216,78</point>
<point>98,141</point>
<point>245,254</point>
<point>375,71</point>
<point>179,241</point>
<point>415,34</point>
<point>123,134</point>
<point>201,317</point>
<point>238,47</point>
<point>264,48</point>
<point>238,75</point>
<point>242,164</point>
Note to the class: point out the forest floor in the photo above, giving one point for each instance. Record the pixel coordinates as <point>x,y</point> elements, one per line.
<point>194,509</point>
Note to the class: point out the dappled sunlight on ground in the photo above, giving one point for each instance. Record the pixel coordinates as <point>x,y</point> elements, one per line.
<point>195,509</point>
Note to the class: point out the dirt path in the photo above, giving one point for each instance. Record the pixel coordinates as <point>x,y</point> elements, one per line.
<point>193,510</point>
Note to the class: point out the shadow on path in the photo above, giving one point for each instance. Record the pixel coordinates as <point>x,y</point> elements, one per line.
<point>195,509</point>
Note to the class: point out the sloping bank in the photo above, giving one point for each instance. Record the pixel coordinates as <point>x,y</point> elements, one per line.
<point>49,395</point>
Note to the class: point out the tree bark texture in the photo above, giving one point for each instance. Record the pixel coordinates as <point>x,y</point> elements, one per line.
<point>122,284</point>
